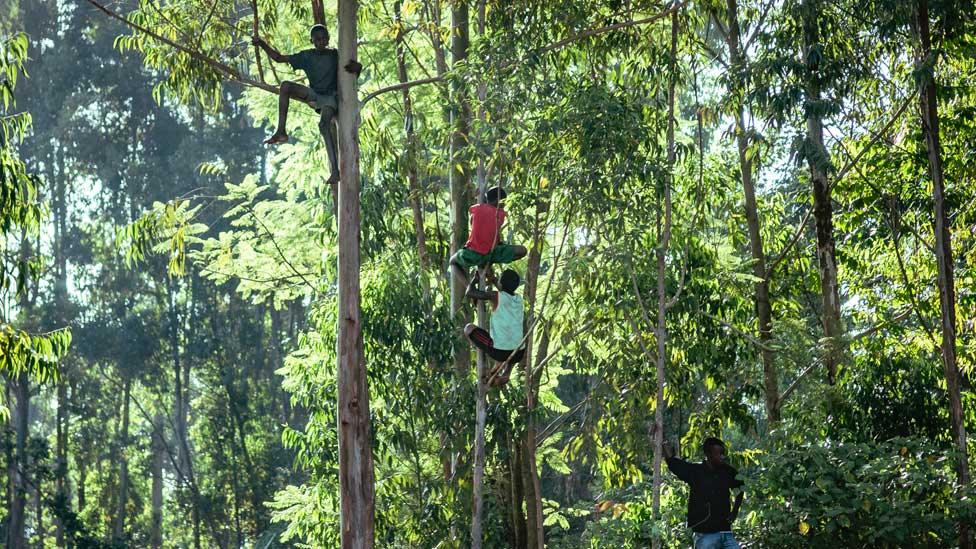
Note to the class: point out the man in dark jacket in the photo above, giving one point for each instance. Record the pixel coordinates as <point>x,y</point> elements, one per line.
<point>711,483</point>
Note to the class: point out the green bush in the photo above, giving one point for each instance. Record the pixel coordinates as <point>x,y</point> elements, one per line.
<point>898,493</point>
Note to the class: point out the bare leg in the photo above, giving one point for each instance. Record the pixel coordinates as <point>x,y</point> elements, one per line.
<point>460,272</point>
<point>325,128</point>
<point>520,252</point>
<point>288,90</point>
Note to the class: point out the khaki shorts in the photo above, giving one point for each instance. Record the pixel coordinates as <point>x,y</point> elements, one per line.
<point>317,100</point>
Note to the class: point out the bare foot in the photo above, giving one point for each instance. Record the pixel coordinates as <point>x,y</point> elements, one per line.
<point>276,138</point>
<point>498,381</point>
<point>494,374</point>
<point>333,179</point>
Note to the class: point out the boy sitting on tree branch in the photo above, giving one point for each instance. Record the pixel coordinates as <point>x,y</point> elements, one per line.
<point>320,64</point>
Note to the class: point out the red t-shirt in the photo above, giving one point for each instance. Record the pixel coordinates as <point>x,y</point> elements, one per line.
<point>486,227</point>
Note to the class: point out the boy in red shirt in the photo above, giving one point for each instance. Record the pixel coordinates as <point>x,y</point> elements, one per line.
<point>484,245</point>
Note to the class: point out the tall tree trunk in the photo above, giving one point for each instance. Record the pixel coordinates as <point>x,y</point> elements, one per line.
<point>82,463</point>
<point>38,528</point>
<point>929,107</point>
<point>158,460</point>
<point>460,178</point>
<point>764,310</point>
<point>410,155</point>
<point>356,492</point>
<point>179,408</point>
<point>481,404</point>
<point>17,469</point>
<point>433,14</point>
<point>518,494</point>
<point>459,183</point>
<point>118,530</point>
<point>535,530</point>
<point>61,300</point>
<point>664,240</point>
<point>818,160</point>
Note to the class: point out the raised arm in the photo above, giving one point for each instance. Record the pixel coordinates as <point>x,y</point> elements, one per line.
<point>274,54</point>
<point>681,468</point>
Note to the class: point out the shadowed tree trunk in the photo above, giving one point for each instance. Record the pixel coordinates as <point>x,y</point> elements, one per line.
<point>764,310</point>
<point>118,528</point>
<point>518,494</point>
<point>158,459</point>
<point>355,441</point>
<point>16,518</point>
<point>410,155</point>
<point>818,161</point>
<point>929,109</point>
<point>535,530</point>
<point>481,404</point>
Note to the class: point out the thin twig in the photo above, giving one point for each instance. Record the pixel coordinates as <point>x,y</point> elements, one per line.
<point>278,248</point>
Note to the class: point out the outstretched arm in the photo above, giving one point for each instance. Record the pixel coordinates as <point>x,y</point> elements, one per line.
<point>274,54</point>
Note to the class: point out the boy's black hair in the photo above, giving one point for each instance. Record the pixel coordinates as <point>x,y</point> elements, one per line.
<point>509,281</point>
<point>495,194</point>
<point>318,27</point>
<point>711,441</point>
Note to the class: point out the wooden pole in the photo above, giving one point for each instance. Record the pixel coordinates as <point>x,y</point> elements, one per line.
<point>356,490</point>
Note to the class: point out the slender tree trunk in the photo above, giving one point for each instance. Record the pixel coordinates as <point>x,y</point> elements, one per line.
<point>158,460</point>
<point>433,11</point>
<point>39,533</point>
<point>518,494</point>
<point>533,489</point>
<point>481,404</point>
<point>118,531</point>
<point>818,160</point>
<point>410,155</point>
<point>356,494</point>
<point>764,310</point>
<point>459,183</point>
<point>82,464</point>
<point>929,107</point>
<point>17,469</point>
<point>179,409</point>
<point>460,178</point>
<point>61,299</point>
<point>664,240</point>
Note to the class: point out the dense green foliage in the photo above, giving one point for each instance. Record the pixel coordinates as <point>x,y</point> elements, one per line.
<point>197,271</point>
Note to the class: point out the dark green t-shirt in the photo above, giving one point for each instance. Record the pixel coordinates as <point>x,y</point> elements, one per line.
<point>321,67</point>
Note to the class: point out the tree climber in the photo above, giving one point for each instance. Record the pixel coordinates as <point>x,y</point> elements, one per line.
<point>506,326</point>
<point>484,245</point>
<point>320,64</point>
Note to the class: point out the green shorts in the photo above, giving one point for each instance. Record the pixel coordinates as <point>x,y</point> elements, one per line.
<point>466,258</point>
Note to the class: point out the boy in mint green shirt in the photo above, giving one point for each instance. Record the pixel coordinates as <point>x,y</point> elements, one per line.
<point>504,343</point>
